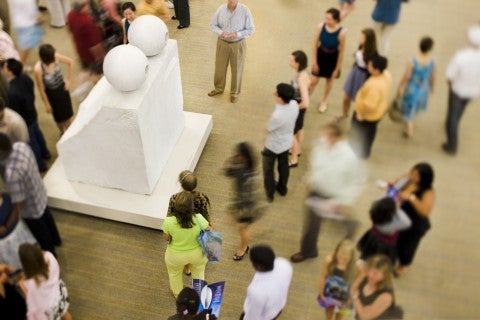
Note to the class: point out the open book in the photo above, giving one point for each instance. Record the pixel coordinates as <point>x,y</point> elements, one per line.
<point>211,295</point>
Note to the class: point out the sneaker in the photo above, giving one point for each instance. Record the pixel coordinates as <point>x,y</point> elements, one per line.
<point>169,4</point>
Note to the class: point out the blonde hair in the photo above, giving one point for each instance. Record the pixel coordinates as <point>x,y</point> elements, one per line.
<point>345,247</point>
<point>383,264</point>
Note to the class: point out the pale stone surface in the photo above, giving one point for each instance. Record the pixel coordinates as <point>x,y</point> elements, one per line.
<point>149,34</point>
<point>125,67</point>
<point>144,210</point>
<point>123,139</point>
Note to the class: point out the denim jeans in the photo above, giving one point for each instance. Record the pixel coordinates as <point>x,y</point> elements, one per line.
<point>268,161</point>
<point>38,145</point>
<point>456,107</point>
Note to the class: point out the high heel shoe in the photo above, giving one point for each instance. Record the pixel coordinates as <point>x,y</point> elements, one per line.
<point>238,258</point>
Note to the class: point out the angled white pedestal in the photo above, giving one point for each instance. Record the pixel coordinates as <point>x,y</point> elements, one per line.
<point>114,204</point>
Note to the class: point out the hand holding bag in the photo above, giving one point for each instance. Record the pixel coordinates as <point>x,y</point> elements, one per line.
<point>394,111</point>
<point>211,243</point>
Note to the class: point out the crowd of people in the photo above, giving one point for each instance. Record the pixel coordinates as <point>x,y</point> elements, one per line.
<point>400,219</point>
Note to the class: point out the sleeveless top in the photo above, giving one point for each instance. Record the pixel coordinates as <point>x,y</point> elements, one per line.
<point>52,80</point>
<point>338,272</point>
<point>421,73</point>
<point>296,95</point>
<point>389,313</point>
<point>329,40</point>
<point>359,61</point>
<point>419,223</point>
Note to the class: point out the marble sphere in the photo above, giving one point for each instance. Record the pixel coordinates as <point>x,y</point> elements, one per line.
<point>125,67</point>
<point>149,34</point>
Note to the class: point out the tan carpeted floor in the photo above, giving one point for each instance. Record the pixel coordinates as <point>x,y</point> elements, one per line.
<point>116,271</point>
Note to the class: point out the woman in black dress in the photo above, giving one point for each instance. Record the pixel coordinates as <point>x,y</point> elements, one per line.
<point>418,199</point>
<point>53,87</point>
<point>328,48</point>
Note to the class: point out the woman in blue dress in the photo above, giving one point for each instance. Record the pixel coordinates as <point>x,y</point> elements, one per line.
<point>416,85</point>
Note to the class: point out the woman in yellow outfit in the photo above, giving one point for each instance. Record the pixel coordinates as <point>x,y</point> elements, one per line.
<point>181,231</point>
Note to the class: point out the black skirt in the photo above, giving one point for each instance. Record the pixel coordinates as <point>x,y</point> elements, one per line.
<point>61,103</point>
<point>327,62</point>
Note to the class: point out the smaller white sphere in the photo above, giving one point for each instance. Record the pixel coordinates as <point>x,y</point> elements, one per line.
<point>125,67</point>
<point>149,34</point>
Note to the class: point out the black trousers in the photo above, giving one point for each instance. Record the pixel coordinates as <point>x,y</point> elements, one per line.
<point>268,161</point>
<point>362,135</point>
<point>456,107</point>
<point>45,231</point>
<point>182,12</point>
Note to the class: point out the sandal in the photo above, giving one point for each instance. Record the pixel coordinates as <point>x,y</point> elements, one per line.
<point>238,258</point>
<point>322,108</point>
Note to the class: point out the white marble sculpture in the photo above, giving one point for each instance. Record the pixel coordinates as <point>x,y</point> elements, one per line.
<point>121,138</point>
<point>133,71</point>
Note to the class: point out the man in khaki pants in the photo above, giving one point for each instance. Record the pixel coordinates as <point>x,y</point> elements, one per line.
<point>233,22</point>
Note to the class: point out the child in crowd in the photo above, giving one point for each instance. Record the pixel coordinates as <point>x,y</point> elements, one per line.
<point>381,238</point>
<point>337,272</point>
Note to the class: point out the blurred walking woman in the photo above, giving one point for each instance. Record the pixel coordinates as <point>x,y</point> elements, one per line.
<point>181,231</point>
<point>53,87</point>
<point>328,48</point>
<point>418,199</point>
<point>45,293</point>
<point>245,208</point>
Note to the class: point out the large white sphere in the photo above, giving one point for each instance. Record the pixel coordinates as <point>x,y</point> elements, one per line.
<point>125,67</point>
<point>149,34</point>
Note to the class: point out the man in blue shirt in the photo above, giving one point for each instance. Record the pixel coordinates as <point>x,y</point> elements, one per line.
<point>232,23</point>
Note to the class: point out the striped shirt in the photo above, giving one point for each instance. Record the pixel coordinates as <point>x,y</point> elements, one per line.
<point>239,21</point>
<point>24,182</point>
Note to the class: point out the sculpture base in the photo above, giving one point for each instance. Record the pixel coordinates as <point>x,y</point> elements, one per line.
<point>113,204</point>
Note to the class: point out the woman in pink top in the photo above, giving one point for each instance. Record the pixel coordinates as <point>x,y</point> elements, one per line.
<point>45,293</point>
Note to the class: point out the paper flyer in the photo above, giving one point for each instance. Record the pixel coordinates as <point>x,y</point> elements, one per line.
<point>211,295</point>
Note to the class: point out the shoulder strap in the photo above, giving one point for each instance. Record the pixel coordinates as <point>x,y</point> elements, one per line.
<point>198,223</point>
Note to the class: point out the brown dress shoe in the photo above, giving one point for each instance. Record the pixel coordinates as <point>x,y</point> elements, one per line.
<point>213,93</point>
<point>298,257</point>
<point>233,99</point>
